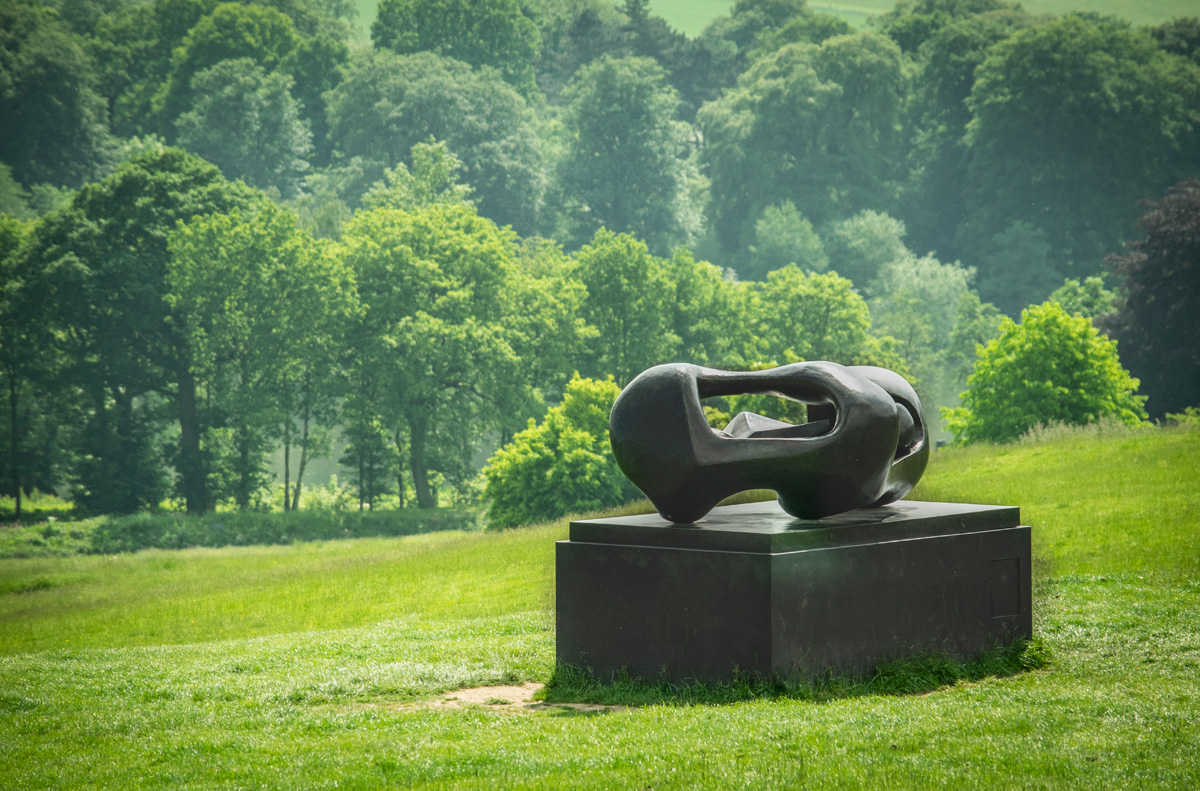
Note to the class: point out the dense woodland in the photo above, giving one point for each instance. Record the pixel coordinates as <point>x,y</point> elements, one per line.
<point>230,227</point>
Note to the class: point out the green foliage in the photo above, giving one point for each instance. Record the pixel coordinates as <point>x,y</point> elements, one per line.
<point>260,305</point>
<point>812,317</point>
<point>246,122</point>
<point>621,169</point>
<point>859,247</point>
<point>814,124</point>
<point>388,103</point>
<point>435,286</point>
<point>1088,299</point>
<point>1016,268</point>
<point>431,181</point>
<point>628,295</point>
<point>480,32</point>
<point>784,236</point>
<point>1075,121</point>
<point>53,123</point>
<point>96,276</point>
<point>107,535</point>
<point>232,31</point>
<point>1052,367</point>
<point>561,466</point>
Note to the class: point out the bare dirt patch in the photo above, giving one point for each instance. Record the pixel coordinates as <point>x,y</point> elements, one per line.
<point>514,698</point>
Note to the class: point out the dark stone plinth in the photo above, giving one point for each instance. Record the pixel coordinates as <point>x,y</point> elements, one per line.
<point>750,587</point>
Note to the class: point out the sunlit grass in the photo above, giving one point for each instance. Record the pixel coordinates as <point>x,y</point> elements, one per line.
<point>313,664</point>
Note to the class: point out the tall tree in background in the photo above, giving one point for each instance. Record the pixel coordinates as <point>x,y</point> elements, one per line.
<point>1075,121</point>
<point>434,284</point>
<point>817,125</point>
<point>622,168</point>
<point>388,103</point>
<point>258,303</point>
<point>97,272</point>
<point>246,122</point>
<point>231,31</point>
<point>53,123</point>
<point>1155,319</point>
<point>492,33</point>
<point>628,294</point>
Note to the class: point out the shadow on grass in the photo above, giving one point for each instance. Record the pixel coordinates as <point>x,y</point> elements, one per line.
<point>913,675</point>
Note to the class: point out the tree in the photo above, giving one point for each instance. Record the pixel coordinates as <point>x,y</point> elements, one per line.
<point>260,305</point>
<point>627,301</point>
<point>1088,299</point>
<point>710,314</point>
<point>1050,368</point>
<point>246,122</point>
<point>315,66</point>
<point>562,465</point>
<point>431,181</point>
<point>232,31</point>
<point>859,247</point>
<point>492,33</point>
<point>818,125</point>
<point>53,123</point>
<point>388,103</point>
<point>812,317</point>
<point>96,272</point>
<point>622,169</point>
<point>1016,267</point>
<point>434,284</point>
<point>1075,121</point>
<point>784,236</point>
<point>1155,318</point>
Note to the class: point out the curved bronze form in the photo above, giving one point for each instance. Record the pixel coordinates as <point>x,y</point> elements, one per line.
<point>866,442</point>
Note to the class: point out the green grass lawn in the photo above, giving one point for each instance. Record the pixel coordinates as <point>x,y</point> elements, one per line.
<point>320,664</point>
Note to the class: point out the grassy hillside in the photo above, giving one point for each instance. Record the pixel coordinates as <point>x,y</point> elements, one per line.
<point>323,663</point>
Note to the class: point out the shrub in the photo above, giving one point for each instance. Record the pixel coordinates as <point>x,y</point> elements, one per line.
<point>564,465</point>
<point>1052,367</point>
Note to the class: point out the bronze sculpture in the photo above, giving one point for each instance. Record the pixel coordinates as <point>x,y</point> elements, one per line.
<point>866,442</point>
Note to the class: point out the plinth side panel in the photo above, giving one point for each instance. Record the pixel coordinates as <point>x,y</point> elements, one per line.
<point>849,607</point>
<point>691,613</point>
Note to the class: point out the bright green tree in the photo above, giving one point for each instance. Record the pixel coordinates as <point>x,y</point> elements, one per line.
<point>628,302</point>
<point>1051,368</point>
<point>1088,299</point>
<point>812,317</point>
<point>432,180</point>
<point>492,33</point>
<point>560,466</point>
<point>622,169</point>
<point>259,303</point>
<point>246,122</point>
<point>435,288</point>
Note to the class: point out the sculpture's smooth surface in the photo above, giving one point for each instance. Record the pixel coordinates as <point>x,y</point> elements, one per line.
<point>865,442</point>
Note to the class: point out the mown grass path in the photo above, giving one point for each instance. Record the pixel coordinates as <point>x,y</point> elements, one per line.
<point>314,666</point>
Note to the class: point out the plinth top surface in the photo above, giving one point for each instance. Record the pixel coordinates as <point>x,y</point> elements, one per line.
<point>766,527</point>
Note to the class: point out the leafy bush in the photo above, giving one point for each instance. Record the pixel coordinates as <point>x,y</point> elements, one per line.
<point>1052,367</point>
<point>108,535</point>
<point>565,465</point>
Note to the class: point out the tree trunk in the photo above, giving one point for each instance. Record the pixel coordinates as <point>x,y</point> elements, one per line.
<point>243,493</point>
<point>399,465</point>
<point>191,465</point>
<point>303,462</point>
<point>287,467</point>
<point>14,454</point>
<point>420,475</point>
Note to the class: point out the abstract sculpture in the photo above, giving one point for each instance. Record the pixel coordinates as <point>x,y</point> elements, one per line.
<point>865,443</point>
